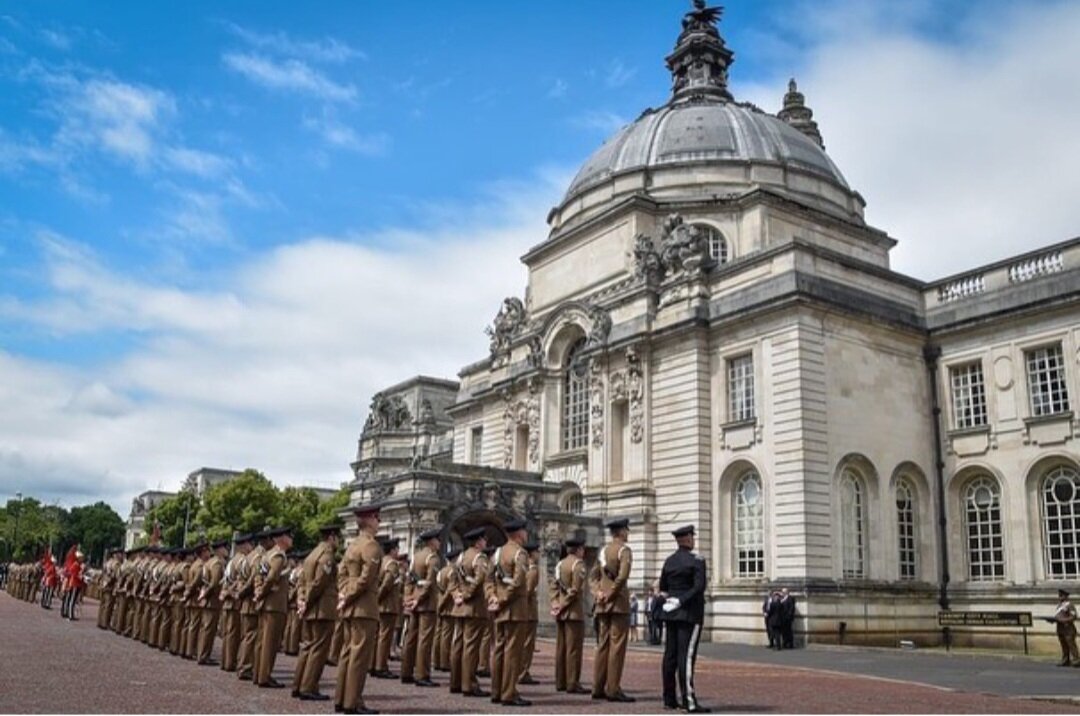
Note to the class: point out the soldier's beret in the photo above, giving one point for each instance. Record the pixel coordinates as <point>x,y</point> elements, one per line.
<point>200,547</point>
<point>331,528</point>
<point>532,546</point>
<point>279,531</point>
<point>433,533</point>
<point>1063,594</point>
<point>241,538</point>
<point>220,543</point>
<point>475,534</point>
<point>371,508</point>
<point>391,544</point>
<point>574,543</point>
<point>514,525</point>
<point>453,553</point>
<point>683,531</point>
<point>620,524</point>
<point>490,550</point>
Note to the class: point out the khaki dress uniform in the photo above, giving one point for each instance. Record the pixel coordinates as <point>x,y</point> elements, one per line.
<point>210,605</point>
<point>230,612</point>
<point>359,602</point>
<point>192,617</point>
<point>319,595</point>
<point>131,617</point>
<point>164,635</point>
<point>568,590</point>
<point>249,615</point>
<point>506,585</point>
<point>105,596</point>
<point>532,582</point>
<point>444,632</point>
<point>420,632</point>
<point>390,581</point>
<point>613,616</point>
<point>473,619</point>
<point>291,641</point>
<point>1065,625</point>
<point>153,598</point>
<point>179,584</point>
<point>119,610</point>
<point>272,596</point>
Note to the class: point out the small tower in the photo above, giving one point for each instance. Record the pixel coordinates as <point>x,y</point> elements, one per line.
<point>798,115</point>
<point>699,63</point>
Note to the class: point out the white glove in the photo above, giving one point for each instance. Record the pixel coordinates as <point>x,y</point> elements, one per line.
<point>671,604</point>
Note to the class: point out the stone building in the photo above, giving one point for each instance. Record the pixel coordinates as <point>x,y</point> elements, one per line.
<point>136,523</point>
<point>712,334</point>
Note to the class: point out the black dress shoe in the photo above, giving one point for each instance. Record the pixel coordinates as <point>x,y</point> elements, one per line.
<point>528,680</point>
<point>455,691</point>
<point>314,697</point>
<point>577,690</point>
<point>668,706</point>
<point>517,702</point>
<point>496,700</point>
<point>338,708</point>
<point>622,698</point>
<point>272,684</point>
<point>245,676</point>
<point>295,693</point>
<point>598,697</point>
<point>484,674</point>
<point>209,662</point>
<point>478,693</point>
<point>699,709</point>
<point>427,683</point>
<point>408,680</point>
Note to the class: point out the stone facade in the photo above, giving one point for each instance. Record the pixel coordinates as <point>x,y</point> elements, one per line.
<point>140,506</point>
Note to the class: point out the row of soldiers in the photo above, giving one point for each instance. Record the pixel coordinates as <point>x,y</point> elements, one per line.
<point>44,578</point>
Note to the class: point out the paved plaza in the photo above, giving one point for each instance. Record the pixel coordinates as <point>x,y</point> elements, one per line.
<point>54,666</point>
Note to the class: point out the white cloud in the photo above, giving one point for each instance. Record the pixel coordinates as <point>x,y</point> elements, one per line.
<point>273,366</point>
<point>118,117</point>
<point>603,121</point>
<point>558,89</point>
<point>56,39</point>
<point>196,161</point>
<point>328,49</point>
<point>290,75</point>
<point>341,136</point>
<point>618,74</point>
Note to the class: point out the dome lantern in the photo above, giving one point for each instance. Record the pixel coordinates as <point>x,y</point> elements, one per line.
<point>699,63</point>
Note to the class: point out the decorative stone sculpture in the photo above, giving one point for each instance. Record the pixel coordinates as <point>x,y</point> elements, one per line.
<point>636,394</point>
<point>596,401</point>
<point>683,248</point>
<point>507,324</point>
<point>600,328</point>
<point>647,264</point>
<point>387,413</point>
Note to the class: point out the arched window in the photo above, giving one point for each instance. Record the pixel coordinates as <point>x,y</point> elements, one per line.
<point>573,503</point>
<point>575,413</point>
<point>982,523</point>
<point>852,528</point>
<point>907,529</point>
<point>749,527</point>
<point>1061,523</point>
<point>718,247</point>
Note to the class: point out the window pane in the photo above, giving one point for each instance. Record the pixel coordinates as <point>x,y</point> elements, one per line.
<point>905,522</point>
<point>968,395</point>
<point>1060,497</point>
<point>982,515</point>
<point>852,515</point>
<point>749,532</point>
<point>740,387</point>
<point>1046,381</point>
<point>575,426</point>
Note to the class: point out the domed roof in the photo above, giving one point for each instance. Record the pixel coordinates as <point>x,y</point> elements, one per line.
<point>704,130</point>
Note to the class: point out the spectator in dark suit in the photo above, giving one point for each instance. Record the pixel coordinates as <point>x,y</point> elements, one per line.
<point>786,608</point>
<point>771,614</point>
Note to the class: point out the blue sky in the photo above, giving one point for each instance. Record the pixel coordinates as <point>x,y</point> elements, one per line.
<point>231,222</point>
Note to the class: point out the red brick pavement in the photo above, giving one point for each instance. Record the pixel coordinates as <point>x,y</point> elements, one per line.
<point>48,665</point>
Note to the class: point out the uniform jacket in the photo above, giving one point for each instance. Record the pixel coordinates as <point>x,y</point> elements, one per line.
<point>568,589</point>
<point>445,581</point>
<point>532,596</point>
<point>506,583</point>
<point>319,592</point>
<point>472,572</point>
<point>213,574</point>
<point>683,577</point>
<point>610,574</point>
<point>424,568</point>
<point>360,571</point>
<point>273,590</point>
<point>193,583</point>
<point>250,578</point>
<point>232,582</point>
<point>390,581</point>
<point>1065,616</point>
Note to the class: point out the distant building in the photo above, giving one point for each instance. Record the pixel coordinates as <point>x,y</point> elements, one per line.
<point>140,506</point>
<point>204,478</point>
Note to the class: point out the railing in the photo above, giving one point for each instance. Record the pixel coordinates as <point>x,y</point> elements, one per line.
<point>1036,266</point>
<point>961,288</point>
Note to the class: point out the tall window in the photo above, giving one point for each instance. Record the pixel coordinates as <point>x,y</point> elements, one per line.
<point>1046,381</point>
<point>982,522</point>
<point>575,426</point>
<point>574,503</point>
<point>749,527</point>
<point>968,395</point>
<point>1061,523</point>
<point>906,529</point>
<point>718,248</point>
<point>476,446</point>
<point>852,532</point>
<point>740,384</point>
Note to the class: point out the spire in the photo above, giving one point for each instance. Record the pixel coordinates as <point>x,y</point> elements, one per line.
<point>798,115</point>
<point>699,63</point>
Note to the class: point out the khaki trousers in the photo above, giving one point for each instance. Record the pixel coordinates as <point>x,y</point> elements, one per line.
<point>104,610</point>
<point>569,642</point>
<point>116,622</point>
<point>506,661</point>
<point>530,647</point>
<point>249,640</point>
<point>610,654</point>
<point>387,623</point>
<point>207,632</point>
<point>363,635</point>
<point>419,638</point>
<point>344,628</point>
<point>194,619</point>
<point>165,627</point>
<point>443,636</point>
<point>230,639</point>
<point>485,644</point>
<point>144,622</point>
<point>271,629</point>
<point>336,643</point>
<point>176,638</point>
<point>465,658</point>
<point>1066,634</point>
<point>314,650</point>
<point>291,642</point>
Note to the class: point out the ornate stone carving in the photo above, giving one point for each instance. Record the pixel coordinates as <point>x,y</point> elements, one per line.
<point>532,413</point>
<point>536,351</point>
<point>524,411</point>
<point>427,413</point>
<point>635,380</point>
<point>683,248</point>
<point>378,493</point>
<point>647,264</point>
<point>600,328</point>
<point>596,401</point>
<point>618,386</point>
<point>508,323</point>
<point>387,413</point>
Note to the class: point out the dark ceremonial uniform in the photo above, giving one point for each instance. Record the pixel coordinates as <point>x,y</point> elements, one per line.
<point>683,580</point>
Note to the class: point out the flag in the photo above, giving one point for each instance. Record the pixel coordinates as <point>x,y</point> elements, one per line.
<point>155,536</point>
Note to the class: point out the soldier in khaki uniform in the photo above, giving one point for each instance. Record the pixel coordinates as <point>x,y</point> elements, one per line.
<point>612,606</point>
<point>506,599</point>
<point>230,602</point>
<point>290,643</point>
<point>176,595</point>
<point>532,584</point>
<point>107,586</point>
<point>249,615</point>
<point>358,604</point>
<point>119,614</point>
<point>444,601</point>
<point>391,578</point>
<point>164,635</point>
<point>420,606</point>
<point>488,635</point>
<point>271,600</point>
<point>470,611</point>
<point>158,583</point>
<point>316,606</point>
<point>568,608</point>
<point>192,613</point>
<point>209,601</point>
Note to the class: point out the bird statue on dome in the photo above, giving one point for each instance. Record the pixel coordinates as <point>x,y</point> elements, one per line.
<point>702,17</point>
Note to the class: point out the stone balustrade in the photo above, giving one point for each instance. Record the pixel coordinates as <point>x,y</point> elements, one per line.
<point>1036,266</point>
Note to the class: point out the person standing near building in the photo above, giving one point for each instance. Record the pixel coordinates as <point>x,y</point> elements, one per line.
<point>568,609</point>
<point>358,603</point>
<point>787,619</point>
<point>612,609</point>
<point>420,606</point>
<point>317,608</point>
<point>272,599</point>
<point>230,603</point>
<point>507,601</point>
<point>633,617</point>
<point>108,588</point>
<point>532,596</point>
<point>1065,623</point>
<point>209,601</point>
<point>390,581</point>
<point>444,601</point>
<point>249,615</point>
<point>682,586</point>
<point>470,611</point>
<point>75,583</point>
<point>50,579</point>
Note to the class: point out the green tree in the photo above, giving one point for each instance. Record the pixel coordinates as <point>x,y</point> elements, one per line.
<point>245,504</point>
<point>300,510</point>
<point>95,527</point>
<point>33,526</point>
<point>171,514</point>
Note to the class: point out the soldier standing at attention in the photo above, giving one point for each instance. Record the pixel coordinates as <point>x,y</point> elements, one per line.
<point>164,634</point>
<point>317,608</point>
<point>420,606</point>
<point>484,667</point>
<point>193,618</point>
<point>290,643</point>
<point>506,598</point>
<point>176,597</point>
<point>444,600</point>
<point>682,587</point>
<point>532,583</point>
<point>568,608</point>
<point>470,611</point>
<point>249,615</point>
<point>1065,623</point>
<point>612,607</point>
<point>390,581</point>
<point>272,598</point>
<point>358,602</point>
<point>230,602</point>
<point>108,586</point>
<point>210,601</point>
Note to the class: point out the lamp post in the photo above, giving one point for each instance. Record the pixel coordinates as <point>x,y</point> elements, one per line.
<point>18,514</point>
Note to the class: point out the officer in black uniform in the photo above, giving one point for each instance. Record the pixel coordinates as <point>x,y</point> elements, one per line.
<point>682,587</point>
